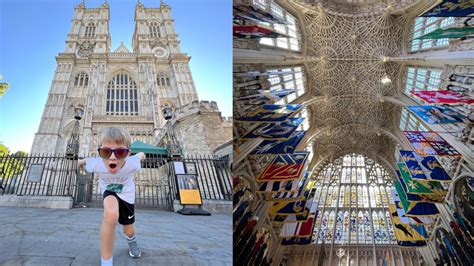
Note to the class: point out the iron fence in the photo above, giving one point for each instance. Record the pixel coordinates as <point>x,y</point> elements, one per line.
<point>38,174</point>
<point>213,176</point>
<point>155,184</point>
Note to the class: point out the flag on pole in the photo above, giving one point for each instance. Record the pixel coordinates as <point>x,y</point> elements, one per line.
<point>418,209</point>
<point>284,167</point>
<point>296,241</point>
<point>275,130</point>
<point>297,207</point>
<point>280,146</point>
<point>430,143</point>
<point>450,33</point>
<point>437,114</point>
<point>442,97</point>
<point>292,195</point>
<point>271,113</point>
<point>409,219</point>
<point>424,168</point>
<point>451,8</point>
<point>407,234</point>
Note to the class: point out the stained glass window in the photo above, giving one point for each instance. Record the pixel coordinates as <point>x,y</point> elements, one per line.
<point>425,25</point>
<point>421,79</point>
<point>290,28</point>
<point>353,203</point>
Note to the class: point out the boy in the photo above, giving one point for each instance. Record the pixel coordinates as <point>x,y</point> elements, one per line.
<point>114,168</point>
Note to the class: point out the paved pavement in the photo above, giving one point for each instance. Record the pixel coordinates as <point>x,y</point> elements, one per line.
<point>36,236</point>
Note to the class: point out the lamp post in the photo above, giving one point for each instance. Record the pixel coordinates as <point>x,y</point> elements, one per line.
<point>72,149</point>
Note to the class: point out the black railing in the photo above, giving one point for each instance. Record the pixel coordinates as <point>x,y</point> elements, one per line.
<point>155,184</point>
<point>38,174</point>
<point>213,176</point>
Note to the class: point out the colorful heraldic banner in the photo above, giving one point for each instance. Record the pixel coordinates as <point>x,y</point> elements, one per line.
<point>262,97</point>
<point>280,146</point>
<point>407,234</point>
<point>295,218</point>
<point>275,130</point>
<point>293,196</point>
<point>296,241</point>
<point>257,14</point>
<point>271,113</point>
<point>437,114</point>
<point>256,32</point>
<point>431,191</point>
<point>279,186</point>
<point>415,208</point>
<point>450,33</point>
<point>451,8</point>
<point>297,207</point>
<point>301,229</point>
<point>429,143</point>
<point>442,97</point>
<point>409,219</point>
<point>189,193</point>
<point>429,197</point>
<point>284,167</point>
<point>424,168</point>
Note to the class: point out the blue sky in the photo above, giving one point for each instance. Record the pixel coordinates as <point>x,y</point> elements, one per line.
<point>33,32</point>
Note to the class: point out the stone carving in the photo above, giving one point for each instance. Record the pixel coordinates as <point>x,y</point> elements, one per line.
<point>85,49</point>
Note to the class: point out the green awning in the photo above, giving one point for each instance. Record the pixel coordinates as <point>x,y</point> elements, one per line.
<point>138,146</point>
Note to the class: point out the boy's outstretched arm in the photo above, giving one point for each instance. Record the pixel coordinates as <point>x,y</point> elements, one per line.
<point>81,162</point>
<point>141,155</point>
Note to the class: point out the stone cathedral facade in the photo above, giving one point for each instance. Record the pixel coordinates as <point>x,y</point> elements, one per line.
<point>119,88</point>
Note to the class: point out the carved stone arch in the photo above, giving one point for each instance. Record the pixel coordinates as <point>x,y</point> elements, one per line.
<point>128,70</point>
<point>155,19</point>
<point>90,20</point>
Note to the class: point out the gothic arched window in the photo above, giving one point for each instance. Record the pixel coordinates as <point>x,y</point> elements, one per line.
<point>154,29</point>
<point>82,80</point>
<point>90,30</point>
<point>163,79</point>
<point>424,25</point>
<point>290,28</point>
<point>122,95</point>
<point>353,197</point>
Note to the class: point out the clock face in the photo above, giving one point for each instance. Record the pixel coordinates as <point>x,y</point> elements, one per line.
<point>160,52</point>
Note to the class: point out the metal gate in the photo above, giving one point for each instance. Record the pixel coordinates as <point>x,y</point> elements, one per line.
<point>155,185</point>
<point>152,186</point>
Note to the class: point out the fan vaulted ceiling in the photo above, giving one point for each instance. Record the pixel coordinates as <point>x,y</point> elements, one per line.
<point>347,55</point>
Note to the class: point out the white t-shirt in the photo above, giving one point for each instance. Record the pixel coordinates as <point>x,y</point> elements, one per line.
<point>123,176</point>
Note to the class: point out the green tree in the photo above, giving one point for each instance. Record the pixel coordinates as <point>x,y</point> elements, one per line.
<point>3,87</point>
<point>9,166</point>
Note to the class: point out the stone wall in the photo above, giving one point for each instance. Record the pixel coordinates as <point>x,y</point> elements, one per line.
<point>200,127</point>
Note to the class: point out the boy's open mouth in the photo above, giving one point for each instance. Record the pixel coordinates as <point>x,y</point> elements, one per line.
<point>112,165</point>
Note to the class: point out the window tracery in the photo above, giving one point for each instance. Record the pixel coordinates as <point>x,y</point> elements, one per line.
<point>289,29</point>
<point>353,204</point>
<point>424,25</point>
<point>90,30</point>
<point>122,95</point>
<point>81,80</point>
<point>154,28</point>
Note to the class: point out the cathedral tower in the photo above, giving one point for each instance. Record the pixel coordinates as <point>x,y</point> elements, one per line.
<point>115,88</point>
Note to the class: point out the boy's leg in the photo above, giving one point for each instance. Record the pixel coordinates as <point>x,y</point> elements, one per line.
<point>107,230</point>
<point>129,230</point>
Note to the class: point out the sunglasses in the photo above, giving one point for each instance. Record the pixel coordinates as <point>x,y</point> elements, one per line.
<point>120,153</point>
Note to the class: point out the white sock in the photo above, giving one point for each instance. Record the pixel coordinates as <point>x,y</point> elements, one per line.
<point>109,262</point>
<point>131,238</point>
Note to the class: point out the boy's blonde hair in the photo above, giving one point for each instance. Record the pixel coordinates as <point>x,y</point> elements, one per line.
<point>115,135</point>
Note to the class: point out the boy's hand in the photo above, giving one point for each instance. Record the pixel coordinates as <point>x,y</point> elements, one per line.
<point>81,162</point>
<point>141,155</point>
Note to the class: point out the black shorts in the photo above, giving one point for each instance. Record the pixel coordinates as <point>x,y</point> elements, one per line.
<point>126,210</point>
